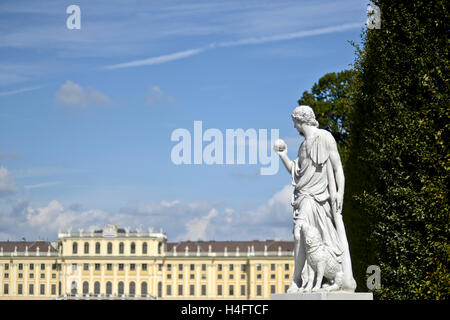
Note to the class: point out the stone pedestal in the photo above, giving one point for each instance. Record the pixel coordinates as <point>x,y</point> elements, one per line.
<point>339,295</point>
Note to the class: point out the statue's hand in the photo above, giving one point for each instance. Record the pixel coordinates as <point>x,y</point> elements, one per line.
<point>339,202</point>
<point>282,153</point>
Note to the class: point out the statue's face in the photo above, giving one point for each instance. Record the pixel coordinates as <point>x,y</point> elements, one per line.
<point>299,126</point>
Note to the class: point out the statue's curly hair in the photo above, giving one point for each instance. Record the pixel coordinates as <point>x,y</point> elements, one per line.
<point>305,114</point>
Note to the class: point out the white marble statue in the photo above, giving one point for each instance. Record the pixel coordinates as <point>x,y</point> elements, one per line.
<point>318,180</point>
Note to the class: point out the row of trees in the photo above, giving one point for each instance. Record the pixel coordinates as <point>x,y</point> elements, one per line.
<point>390,117</point>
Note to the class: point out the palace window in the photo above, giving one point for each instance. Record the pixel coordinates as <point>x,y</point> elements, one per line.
<point>20,275</point>
<point>96,287</point>
<point>160,289</point>
<point>31,289</point>
<point>75,248</point>
<point>144,267</point>
<point>180,267</point>
<point>258,267</point>
<point>243,267</point>
<point>143,288</point>
<point>272,267</point>
<point>219,267</point>
<point>85,287</point>
<point>86,247</point>
<point>231,267</point>
<point>109,248</point>
<point>192,267</point>
<point>272,276</point>
<point>31,275</point>
<point>132,267</point>
<point>133,248</point>
<point>97,248</point>
<point>109,266</point>
<point>97,267</point>
<point>31,266</point>
<point>272,289</point>
<point>132,288</point>
<point>231,290</point>
<point>53,289</point>
<point>19,288</point>
<point>192,289</point>
<point>42,266</point>
<point>219,289</point>
<point>20,266</point>
<point>85,266</point>
<point>286,267</point>
<point>203,267</point>
<point>242,290</point>
<point>180,289</point>
<point>169,267</point>
<point>169,290</point>
<point>121,248</point>
<point>258,290</point>
<point>109,288</point>
<point>121,288</point>
<point>203,289</point>
<point>144,248</point>
<point>5,288</point>
<point>42,289</point>
<point>120,266</point>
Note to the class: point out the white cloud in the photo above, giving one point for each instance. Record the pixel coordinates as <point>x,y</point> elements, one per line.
<point>7,184</point>
<point>192,220</point>
<point>72,94</point>
<point>197,227</point>
<point>157,96</point>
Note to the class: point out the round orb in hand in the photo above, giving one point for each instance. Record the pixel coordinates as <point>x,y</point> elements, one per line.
<point>279,145</point>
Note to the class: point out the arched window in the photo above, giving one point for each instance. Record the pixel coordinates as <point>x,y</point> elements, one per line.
<point>159,247</point>
<point>133,248</point>
<point>132,288</point>
<point>121,290</point>
<point>97,247</point>
<point>75,248</point>
<point>109,248</point>
<point>109,287</point>
<point>121,248</point>
<point>144,248</point>
<point>73,288</point>
<point>86,247</point>
<point>96,287</point>
<point>85,287</point>
<point>144,290</point>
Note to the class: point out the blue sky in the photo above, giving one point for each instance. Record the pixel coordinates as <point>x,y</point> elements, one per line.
<point>86,115</point>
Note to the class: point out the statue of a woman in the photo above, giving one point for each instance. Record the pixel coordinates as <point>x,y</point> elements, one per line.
<point>318,180</point>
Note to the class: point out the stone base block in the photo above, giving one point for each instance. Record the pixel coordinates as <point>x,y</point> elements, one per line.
<point>338,295</point>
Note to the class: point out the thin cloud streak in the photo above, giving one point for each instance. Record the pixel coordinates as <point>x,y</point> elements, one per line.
<point>8,93</point>
<point>42,185</point>
<point>158,60</point>
<point>248,41</point>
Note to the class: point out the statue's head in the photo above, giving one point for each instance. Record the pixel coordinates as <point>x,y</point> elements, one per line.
<point>304,114</point>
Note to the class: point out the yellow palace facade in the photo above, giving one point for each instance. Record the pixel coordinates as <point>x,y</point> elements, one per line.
<point>115,263</point>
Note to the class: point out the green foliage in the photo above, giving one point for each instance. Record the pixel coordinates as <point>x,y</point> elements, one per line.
<point>331,100</point>
<point>397,171</point>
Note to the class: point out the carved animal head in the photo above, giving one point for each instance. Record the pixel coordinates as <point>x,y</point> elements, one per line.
<point>312,236</point>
